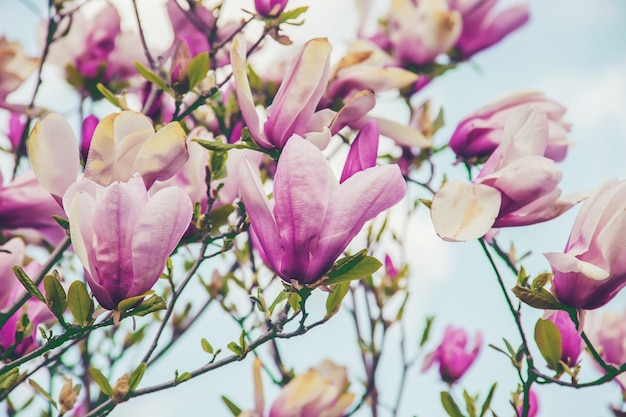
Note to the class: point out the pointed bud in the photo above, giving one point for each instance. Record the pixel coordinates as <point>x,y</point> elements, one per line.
<point>68,396</point>
<point>121,388</point>
<point>179,79</point>
<point>89,125</point>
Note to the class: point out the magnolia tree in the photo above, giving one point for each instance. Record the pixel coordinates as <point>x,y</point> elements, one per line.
<point>201,184</point>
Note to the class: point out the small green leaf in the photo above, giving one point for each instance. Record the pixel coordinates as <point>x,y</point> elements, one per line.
<point>101,381</point>
<point>136,376</point>
<point>426,332</point>
<point>234,347</point>
<point>470,403</point>
<point>292,14</point>
<point>540,281</point>
<point>106,93</point>
<point>28,283</point>
<point>198,69</point>
<point>548,338</point>
<point>182,377</point>
<point>487,402</point>
<point>427,203</point>
<point>333,302</point>
<point>449,405</point>
<point>231,406</point>
<point>294,301</point>
<point>522,277</point>
<point>55,296</point>
<point>217,161</point>
<point>150,305</point>
<point>219,216</point>
<point>217,146</point>
<point>206,346</point>
<point>43,392</point>
<point>540,298</point>
<point>64,223</point>
<point>354,267</point>
<point>9,378</point>
<point>439,121</point>
<point>282,296</point>
<point>80,303</point>
<point>151,76</point>
<point>128,303</point>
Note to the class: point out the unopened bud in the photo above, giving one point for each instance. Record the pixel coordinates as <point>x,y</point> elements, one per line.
<point>120,390</point>
<point>180,66</point>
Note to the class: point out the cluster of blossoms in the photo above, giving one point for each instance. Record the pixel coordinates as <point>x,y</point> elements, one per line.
<point>187,165</point>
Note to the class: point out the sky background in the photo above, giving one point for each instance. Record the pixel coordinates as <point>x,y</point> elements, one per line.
<point>574,51</point>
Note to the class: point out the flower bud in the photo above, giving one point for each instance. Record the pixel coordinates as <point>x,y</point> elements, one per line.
<point>68,396</point>
<point>533,405</point>
<point>571,342</point>
<point>121,388</point>
<point>270,8</point>
<point>179,78</point>
<point>453,358</point>
<point>89,126</point>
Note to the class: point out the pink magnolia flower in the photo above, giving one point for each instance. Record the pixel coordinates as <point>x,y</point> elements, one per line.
<point>97,48</point>
<point>25,205</point>
<point>12,254</point>
<point>533,404</point>
<point>122,144</point>
<point>609,338</point>
<point>517,185</point>
<point>313,217</point>
<point>17,125</point>
<point>15,66</point>
<point>267,8</point>
<point>482,27</point>
<point>293,110</point>
<point>480,133</point>
<point>123,237</point>
<point>322,391</point>
<point>571,341</point>
<point>592,270</point>
<point>419,33</point>
<point>452,355</point>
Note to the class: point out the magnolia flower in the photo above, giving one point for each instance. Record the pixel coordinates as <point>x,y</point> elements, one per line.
<point>480,133</point>
<point>267,8</point>
<point>571,341</point>
<point>452,355</point>
<point>418,34</point>
<point>592,269</point>
<point>17,125</point>
<point>609,338</point>
<point>482,28</point>
<point>122,144</point>
<point>12,254</point>
<point>293,108</point>
<point>123,237</point>
<point>363,151</point>
<point>313,217</point>
<point>15,66</point>
<point>25,205</point>
<point>517,185</point>
<point>321,391</point>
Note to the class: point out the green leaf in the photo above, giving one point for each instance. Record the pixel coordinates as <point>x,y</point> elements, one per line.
<point>106,93</point>
<point>439,121</point>
<point>151,76</point>
<point>487,402</point>
<point>470,403</point>
<point>522,277</point>
<point>353,267</point>
<point>136,376</point>
<point>198,69</point>
<point>449,405</point>
<point>128,303</point>
<point>427,203</point>
<point>9,378</point>
<point>43,392</point>
<point>217,161</point>
<point>217,146</point>
<point>540,281</point>
<point>152,304</point>
<point>333,302</point>
<point>28,283</point>
<point>64,223</point>
<point>426,332</point>
<point>294,301</point>
<point>292,14</point>
<point>219,216</point>
<point>206,346</point>
<point>80,303</point>
<point>234,347</point>
<point>231,406</point>
<point>540,298</point>
<point>55,296</point>
<point>548,338</point>
<point>182,377</point>
<point>282,296</point>
<point>101,381</point>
